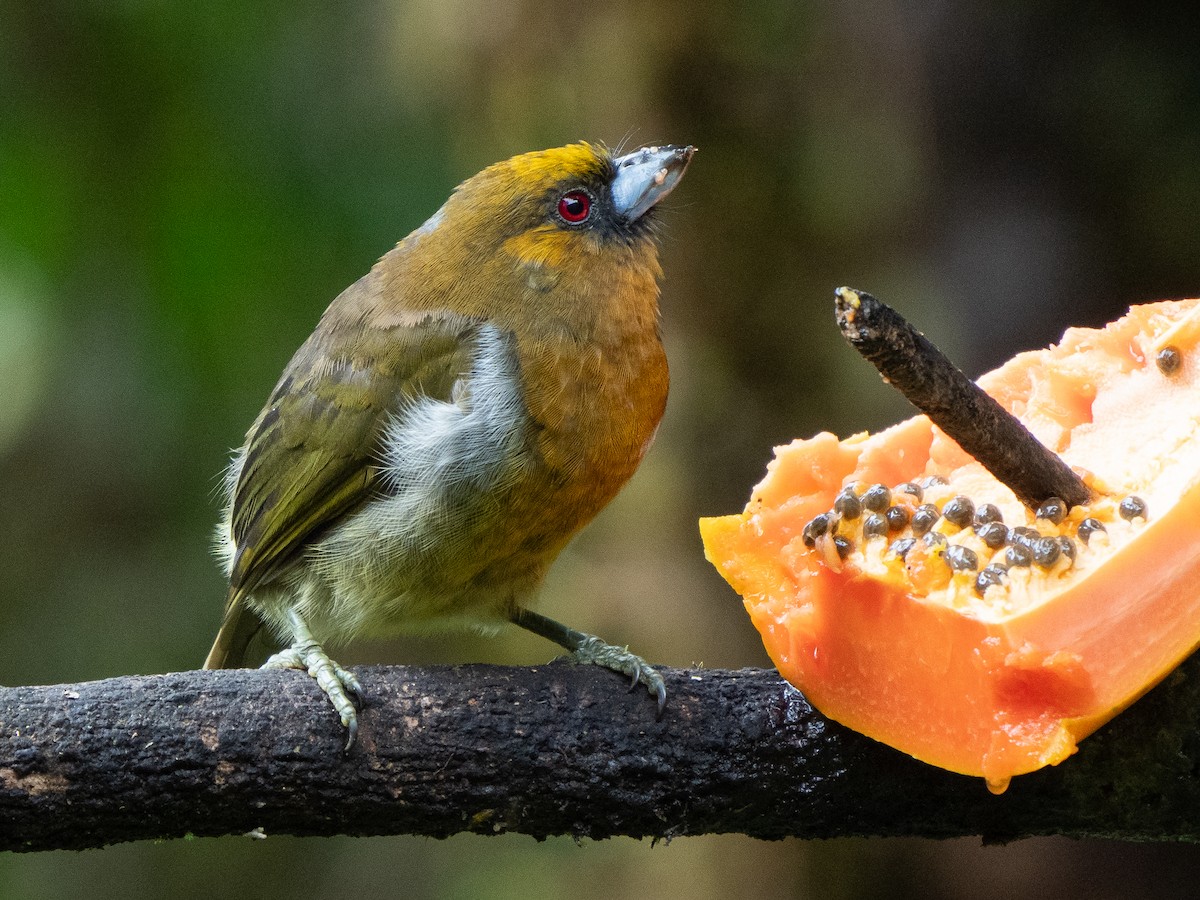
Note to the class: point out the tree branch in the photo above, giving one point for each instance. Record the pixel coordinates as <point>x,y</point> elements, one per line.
<point>555,749</point>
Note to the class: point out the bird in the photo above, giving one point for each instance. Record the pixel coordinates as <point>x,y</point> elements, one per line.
<point>458,414</point>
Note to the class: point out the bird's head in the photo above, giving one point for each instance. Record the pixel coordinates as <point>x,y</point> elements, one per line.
<point>559,229</point>
<point>580,190</point>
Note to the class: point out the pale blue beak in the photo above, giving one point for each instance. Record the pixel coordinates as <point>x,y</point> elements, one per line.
<point>646,176</point>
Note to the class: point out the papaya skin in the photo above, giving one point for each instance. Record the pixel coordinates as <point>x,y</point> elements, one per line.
<point>1006,683</point>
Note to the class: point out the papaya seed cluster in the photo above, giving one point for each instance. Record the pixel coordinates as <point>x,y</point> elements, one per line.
<point>927,526</point>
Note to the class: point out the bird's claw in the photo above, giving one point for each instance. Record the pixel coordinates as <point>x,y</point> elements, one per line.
<point>344,690</point>
<point>598,653</point>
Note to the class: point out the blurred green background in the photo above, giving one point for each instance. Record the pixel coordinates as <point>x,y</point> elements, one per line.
<point>183,187</point>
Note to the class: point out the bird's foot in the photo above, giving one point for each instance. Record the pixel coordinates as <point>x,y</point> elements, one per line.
<point>587,648</point>
<point>341,687</point>
<point>596,652</point>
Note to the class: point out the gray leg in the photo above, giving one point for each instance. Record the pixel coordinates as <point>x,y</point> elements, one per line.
<point>587,648</point>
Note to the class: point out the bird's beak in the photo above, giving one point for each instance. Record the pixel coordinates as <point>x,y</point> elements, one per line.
<point>646,176</point>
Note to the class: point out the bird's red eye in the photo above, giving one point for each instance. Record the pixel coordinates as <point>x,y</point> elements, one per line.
<point>574,207</point>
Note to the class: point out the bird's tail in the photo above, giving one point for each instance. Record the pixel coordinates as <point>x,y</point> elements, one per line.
<point>237,629</point>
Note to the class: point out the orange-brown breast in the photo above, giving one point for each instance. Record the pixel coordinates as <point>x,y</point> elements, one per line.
<point>593,368</point>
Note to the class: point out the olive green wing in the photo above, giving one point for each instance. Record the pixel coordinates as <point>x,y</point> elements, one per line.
<point>313,454</point>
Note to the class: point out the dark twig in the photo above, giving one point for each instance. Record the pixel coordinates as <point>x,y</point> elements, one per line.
<point>557,749</point>
<point>982,427</point>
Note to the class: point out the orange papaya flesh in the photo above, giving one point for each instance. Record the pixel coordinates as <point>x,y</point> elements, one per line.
<point>997,677</point>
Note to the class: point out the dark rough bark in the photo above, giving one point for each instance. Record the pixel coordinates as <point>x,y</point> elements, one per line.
<point>911,363</point>
<point>550,750</point>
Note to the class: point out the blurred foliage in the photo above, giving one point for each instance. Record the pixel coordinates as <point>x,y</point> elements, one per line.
<point>184,186</point>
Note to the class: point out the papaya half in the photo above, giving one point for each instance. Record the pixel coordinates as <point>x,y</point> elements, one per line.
<point>913,597</point>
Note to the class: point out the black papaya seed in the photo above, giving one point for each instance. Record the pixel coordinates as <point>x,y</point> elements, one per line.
<point>1168,360</point>
<point>897,518</point>
<point>877,498</point>
<point>817,526</point>
<point>847,505</point>
<point>1045,551</point>
<point>1132,508</point>
<point>874,525</point>
<point>993,534</point>
<point>1067,546</point>
<point>1088,527</point>
<point>924,518</point>
<point>990,575</point>
<point>1017,555</point>
<point>961,559</point>
<point>1054,510</point>
<point>987,512</point>
<point>959,511</point>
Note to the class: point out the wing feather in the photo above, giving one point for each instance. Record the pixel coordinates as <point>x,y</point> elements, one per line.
<point>313,455</point>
